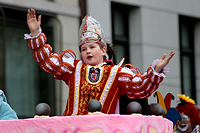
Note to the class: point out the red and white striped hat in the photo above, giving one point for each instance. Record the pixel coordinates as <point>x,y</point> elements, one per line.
<point>91,32</point>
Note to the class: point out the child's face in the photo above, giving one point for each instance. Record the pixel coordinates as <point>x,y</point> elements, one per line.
<point>92,54</point>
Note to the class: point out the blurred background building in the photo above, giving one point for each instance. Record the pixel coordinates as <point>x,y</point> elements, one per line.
<point>141,31</point>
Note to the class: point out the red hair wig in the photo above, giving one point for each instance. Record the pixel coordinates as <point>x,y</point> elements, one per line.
<point>190,111</point>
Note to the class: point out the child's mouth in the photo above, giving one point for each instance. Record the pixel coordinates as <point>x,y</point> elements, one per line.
<point>89,57</point>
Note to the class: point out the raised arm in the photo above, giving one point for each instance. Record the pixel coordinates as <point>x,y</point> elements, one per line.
<point>143,85</point>
<point>33,23</point>
<point>50,62</point>
<point>163,62</point>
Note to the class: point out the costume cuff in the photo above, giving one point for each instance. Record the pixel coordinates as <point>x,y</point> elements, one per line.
<point>29,36</point>
<point>164,70</point>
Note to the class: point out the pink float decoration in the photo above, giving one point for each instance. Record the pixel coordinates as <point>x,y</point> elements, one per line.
<point>89,124</point>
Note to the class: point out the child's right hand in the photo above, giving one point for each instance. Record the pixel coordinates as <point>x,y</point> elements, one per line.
<point>33,23</point>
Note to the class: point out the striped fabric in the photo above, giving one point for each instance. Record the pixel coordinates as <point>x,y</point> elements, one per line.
<point>113,80</point>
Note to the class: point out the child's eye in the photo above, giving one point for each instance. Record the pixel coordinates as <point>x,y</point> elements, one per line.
<point>83,50</point>
<point>92,47</point>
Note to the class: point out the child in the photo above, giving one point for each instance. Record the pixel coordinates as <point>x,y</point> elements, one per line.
<point>92,77</point>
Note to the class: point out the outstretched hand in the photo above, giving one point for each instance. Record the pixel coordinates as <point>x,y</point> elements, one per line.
<point>32,22</point>
<point>163,62</point>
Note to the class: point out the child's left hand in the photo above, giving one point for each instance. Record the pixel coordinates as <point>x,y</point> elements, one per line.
<point>163,62</point>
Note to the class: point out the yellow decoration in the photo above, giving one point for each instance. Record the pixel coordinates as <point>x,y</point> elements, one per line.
<point>142,130</point>
<point>94,131</point>
<point>186,98</point>
<point>152,130</point>
<point>160,100</point>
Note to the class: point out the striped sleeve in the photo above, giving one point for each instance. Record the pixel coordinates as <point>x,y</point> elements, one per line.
<point>52,63</point>
<point>139,85</point>
<point>36,43</point>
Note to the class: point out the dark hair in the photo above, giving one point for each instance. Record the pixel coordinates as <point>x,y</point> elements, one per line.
<point>110,52</point>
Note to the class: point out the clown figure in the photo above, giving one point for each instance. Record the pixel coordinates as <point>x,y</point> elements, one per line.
<point>189,116</point>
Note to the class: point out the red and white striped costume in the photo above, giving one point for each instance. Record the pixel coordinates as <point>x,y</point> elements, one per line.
<point>109,82</point>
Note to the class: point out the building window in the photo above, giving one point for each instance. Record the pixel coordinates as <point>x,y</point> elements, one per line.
<point>22,80</point>
<point>120,36</point>
<point>120,17</point>
<point>187,56</point>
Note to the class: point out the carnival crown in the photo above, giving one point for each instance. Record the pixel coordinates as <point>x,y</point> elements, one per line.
<point>91,32</point>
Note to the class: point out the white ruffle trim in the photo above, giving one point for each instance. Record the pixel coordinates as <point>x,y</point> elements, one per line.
<point>124,79</point>
<point>101,64</point>
<point>69,60</point>
<point>127,70</point>
<point>29,36</point>
<point>165,69</point>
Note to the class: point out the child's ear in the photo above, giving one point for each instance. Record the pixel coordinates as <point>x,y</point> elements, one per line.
<point>104,51</point>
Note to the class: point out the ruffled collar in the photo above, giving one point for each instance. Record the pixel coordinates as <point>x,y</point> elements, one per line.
<point>105,62</point>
